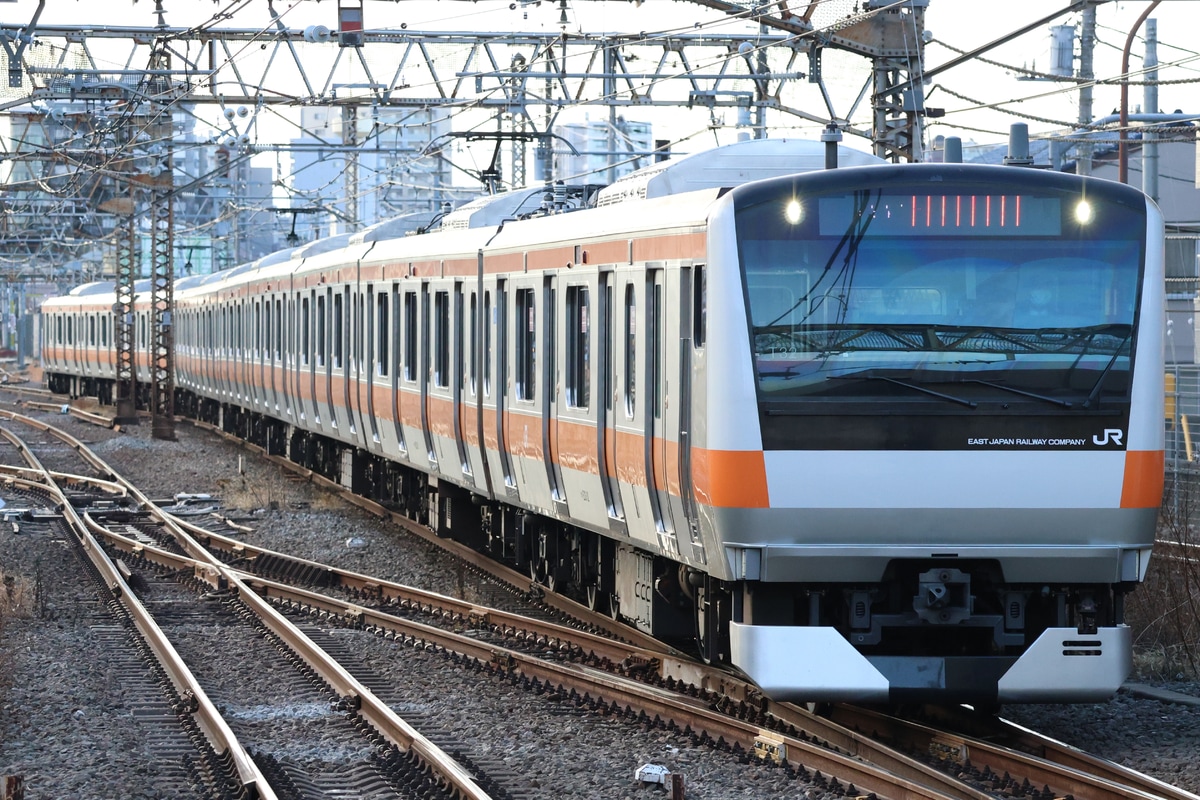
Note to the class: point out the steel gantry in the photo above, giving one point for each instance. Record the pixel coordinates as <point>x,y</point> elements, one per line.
<point>121,160</point>
<point>494,71</point>
<point>161,174</point>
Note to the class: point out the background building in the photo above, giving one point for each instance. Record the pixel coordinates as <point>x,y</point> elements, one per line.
<point>597,151</point>
<point>389,163</point>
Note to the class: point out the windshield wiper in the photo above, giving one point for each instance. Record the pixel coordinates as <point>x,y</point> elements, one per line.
<point>1095,392</point>
<point>948,397</point>
<point>1023,393</point>
<point>847,337</point>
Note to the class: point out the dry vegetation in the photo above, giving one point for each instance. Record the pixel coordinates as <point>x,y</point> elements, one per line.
<point>1165,611</point>
<point>271,490</point>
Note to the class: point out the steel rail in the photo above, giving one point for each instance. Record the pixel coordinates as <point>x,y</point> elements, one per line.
<point>842,736</point>
<point>691,712</point>
<point>814,726</point>
<point>213,726</point>
<point>114,489</point>
<point>357,697</point>
<point>673,665</point>
<point>553,600</point>
<point>75,411</point>
<point>1079,773</point>
<point>1023,740</point>
<point>1064,770</point>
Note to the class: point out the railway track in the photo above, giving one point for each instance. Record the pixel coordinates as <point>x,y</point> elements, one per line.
<point>399,754</point>
<point>849,749</point>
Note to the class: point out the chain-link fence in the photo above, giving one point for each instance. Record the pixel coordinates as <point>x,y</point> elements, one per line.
<point>1182,421</point>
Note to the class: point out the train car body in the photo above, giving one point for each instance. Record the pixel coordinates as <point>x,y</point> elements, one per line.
<point>876,433</point>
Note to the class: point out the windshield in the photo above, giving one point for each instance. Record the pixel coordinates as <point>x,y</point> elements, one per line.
<point>870,294</point>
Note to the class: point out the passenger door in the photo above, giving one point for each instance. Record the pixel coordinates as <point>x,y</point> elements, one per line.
<point>606,388</point>
<point>657,432</point>
<point>550,393</point>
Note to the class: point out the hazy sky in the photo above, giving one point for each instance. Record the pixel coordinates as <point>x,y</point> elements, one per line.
<point>981,99</point>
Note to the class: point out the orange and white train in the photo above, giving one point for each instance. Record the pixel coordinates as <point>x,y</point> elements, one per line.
<point>874,433</point>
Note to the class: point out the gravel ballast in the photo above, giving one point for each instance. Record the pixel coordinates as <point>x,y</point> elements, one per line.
<point>65,727</point>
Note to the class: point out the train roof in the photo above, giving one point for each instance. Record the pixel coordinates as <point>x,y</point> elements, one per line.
<point>728,166</point>
<point>188,281</point>
<point>490,210</point>
<point>320,246</point>
<point>395,227</point>
<point>87,289</point>
<point>278,257</point>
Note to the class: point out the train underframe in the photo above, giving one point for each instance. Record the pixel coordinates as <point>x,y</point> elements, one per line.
<point>950,617</point>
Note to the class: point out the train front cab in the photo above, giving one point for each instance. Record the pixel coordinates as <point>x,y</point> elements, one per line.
<point>943,498</point>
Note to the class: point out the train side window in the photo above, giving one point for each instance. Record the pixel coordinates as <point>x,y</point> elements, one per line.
<point>410,336</point>
<point>338,321</point>
<point>104,332</point>
<point>279,330</point>
<point>426,319</point>
<point>382,332</point>
<point>472,337</point>
<point>630,350</point>
<point>396,366</point>
<point>487,343</point>
<point>321,327</point>
<point>71,330</point>
<point>655,341</point>
<point>441,339</point>
<point>357,327</point>
<point>58,328</point>
<point>457,357</point>
<point>258,330</point>
<point>526,348</point>
<point>305,327</point>
<point>578,356</point>
<point>699,307</point>
<point>91,330</point>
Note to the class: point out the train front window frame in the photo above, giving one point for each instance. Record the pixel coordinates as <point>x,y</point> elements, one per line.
<point>863,295</point>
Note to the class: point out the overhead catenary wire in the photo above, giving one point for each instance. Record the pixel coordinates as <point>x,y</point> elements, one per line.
<point>459,113</point>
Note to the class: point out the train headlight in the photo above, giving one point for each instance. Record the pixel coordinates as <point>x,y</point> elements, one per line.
<point>793,212</point>
<point>1083,212</point>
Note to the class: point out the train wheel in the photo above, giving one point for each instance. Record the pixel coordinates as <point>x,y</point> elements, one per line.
<point>542,572</point>
<point>600,602</point>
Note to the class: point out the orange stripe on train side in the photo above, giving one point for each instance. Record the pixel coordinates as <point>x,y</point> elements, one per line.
<point>730,478</point>
<point>1143,486</point>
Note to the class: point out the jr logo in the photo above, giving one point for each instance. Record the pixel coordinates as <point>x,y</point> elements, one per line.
<point>1110,434</point>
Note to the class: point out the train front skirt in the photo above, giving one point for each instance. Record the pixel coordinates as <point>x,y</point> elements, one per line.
<point>807,663</point>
